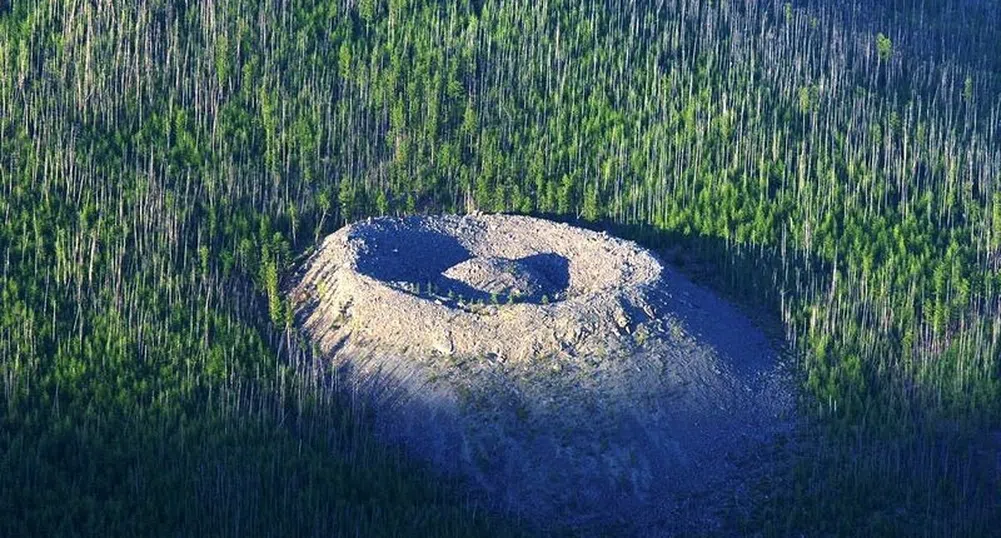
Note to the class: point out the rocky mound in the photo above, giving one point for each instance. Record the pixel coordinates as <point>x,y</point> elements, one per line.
<point>569,375</point>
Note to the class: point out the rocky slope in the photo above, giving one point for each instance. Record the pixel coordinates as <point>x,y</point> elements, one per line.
<point>570,376</point>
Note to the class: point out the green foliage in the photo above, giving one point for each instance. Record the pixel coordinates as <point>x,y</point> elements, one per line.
<point>271,288</point>
<point>344,60</point>
<point>590,211</point>
<point>158,164</point>
<point>884,47</point>
<point>804,99</point>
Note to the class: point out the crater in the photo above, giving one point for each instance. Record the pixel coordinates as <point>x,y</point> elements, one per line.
<point>589,384</point>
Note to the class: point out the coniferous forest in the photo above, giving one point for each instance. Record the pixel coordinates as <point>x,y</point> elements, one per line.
<point>832,167</point>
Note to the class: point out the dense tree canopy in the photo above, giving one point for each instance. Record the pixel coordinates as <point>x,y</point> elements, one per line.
<point>162,163</point>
